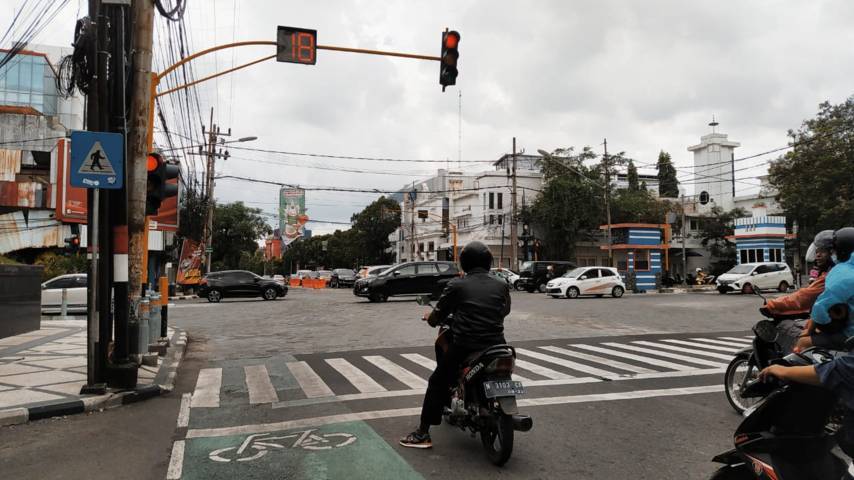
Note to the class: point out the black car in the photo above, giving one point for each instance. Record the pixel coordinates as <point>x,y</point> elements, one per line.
<point>412,278</point>
<point>239,283</point>
<point>342,277</point>
<point>535,275</point>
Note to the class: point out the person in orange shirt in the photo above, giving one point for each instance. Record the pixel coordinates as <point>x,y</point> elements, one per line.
<point>801,301</point>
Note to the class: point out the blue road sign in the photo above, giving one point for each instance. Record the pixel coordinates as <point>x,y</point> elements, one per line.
<point>97,159</point>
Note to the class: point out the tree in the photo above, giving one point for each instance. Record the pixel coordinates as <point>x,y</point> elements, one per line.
<point>56,264</point>
<point>236,230</point>
<point>814,181</point>
<point>374,224</point>
<point>570,206</point>
<point>638,206</point>
<point>193,212</point>
<point>715,229</point>
<point>633,177</point>
<point>668,185</point>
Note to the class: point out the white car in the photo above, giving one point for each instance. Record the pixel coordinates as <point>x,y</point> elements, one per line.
<point>597,281</point>
<point>746,277</point>
<point>509,275</point>
<point>75,286</point>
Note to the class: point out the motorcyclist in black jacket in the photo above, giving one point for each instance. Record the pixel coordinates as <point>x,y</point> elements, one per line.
<point>479,304</point>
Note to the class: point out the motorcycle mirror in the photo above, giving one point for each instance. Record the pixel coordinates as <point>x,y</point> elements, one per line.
<point>849,344</point>
<point>766,330</point>
<point>423,300</point>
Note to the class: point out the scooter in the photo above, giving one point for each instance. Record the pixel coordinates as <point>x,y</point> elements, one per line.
<point>484,398</point>
<point>785,436</point>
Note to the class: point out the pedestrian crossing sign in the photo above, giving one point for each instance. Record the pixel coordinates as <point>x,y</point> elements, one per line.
<point>97,159</point>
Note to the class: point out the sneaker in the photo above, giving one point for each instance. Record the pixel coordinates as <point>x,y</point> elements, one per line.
<point>417,440</point>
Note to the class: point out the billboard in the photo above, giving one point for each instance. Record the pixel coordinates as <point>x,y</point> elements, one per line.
<point>71,204</point>
<point>190,263</point>
<point>292,217</point>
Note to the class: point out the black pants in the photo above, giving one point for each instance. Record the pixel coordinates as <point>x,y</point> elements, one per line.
<point>440,382</point>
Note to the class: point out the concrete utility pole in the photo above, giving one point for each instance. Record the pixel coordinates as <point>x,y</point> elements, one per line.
<point>514,227</point>
<point>684,256</point>
<point>211,154</point>
<point>142,15</point>
<point>413,194</point>
<point>607,166</point>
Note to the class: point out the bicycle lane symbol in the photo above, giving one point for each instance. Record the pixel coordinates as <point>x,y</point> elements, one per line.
<point>257,445</point>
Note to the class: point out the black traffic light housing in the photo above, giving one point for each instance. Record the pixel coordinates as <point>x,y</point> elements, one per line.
<point>450,54</point>
<point>158,187</point>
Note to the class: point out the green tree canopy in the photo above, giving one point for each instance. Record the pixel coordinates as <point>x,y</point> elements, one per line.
<point>714,230</point>
<point>236,230</point>
<point>638,206</point>
<point>668,185</point>
<point>815,181</point>
<point>633,177</point>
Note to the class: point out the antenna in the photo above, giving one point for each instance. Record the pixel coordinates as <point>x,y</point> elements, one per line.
<point>713,123</point>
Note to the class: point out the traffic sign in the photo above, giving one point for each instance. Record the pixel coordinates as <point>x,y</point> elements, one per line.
<point>209,250</point>
<point>97,159</point>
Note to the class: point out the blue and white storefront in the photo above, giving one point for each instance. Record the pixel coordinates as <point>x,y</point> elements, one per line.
<point>760,239</point>
<point>638,250</point>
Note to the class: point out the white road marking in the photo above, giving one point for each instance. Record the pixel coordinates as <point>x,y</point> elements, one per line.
<point>631,356</point>
<point>176,461</point>
<point>719,342</point>
<point>568,364</point>
<point>403,375</point>
<point>739,340</point>
<point>420,360</point>
<point>540,370</point>
<point>598,359</point>
<point>702,345</point>
<point>184,411</point>
<point>260,387</point>
<point>674,356</point>
<point>694,351</point>
<point>207,389</point>
<point>358,378</point>
<point>409,412</point>
<point>310,382</point>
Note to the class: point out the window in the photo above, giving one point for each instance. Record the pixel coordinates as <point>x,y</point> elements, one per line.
<point>606,273</point>
<point>492,219</point>
<point>641,260</point>
<point>622,262</point>
<point>67,282</point>
<point>491,200</point>
<point>431,246</point>
<point>500,201</point>
<point>405,270</point>
<point>444,267</point>
<point>500,217</point>
<point>592,273</point>
<point>752,255</point>
<point>775,254</point>
<point>693,224</point>
<point>427,269</point>
<point>420,246</point>
<point>763,269</point>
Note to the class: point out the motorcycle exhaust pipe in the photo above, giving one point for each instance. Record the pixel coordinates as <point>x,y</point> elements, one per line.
<point>522,423</point>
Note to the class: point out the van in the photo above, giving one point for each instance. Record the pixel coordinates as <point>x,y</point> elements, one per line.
<point>534,276</point>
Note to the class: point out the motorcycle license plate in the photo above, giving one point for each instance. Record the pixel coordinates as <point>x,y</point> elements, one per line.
<point>506,388</point>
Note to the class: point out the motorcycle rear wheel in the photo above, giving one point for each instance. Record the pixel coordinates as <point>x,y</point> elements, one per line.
<point>739,368</point>
<point>497,438</point>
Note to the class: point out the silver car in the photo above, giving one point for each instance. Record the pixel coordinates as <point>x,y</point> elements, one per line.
<point>75,287</point>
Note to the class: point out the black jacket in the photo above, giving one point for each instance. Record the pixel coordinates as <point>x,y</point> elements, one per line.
<point>479,303</point>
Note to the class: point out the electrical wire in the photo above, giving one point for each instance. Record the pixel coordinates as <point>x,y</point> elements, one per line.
<point>176,13</point>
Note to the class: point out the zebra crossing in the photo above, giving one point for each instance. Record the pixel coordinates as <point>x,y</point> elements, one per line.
<point>393,372</point>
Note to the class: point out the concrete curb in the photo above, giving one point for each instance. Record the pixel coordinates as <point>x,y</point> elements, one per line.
<point>183,297</point>
<point>168,371</point>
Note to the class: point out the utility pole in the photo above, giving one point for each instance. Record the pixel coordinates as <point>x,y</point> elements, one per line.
<point>412,195</point>
<point>142,17</point>
<point>606,164</point>
<point>684,256</point>
<point>514,227</point>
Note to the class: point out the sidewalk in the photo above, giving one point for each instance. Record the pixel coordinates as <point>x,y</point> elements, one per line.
<point>41,373</point>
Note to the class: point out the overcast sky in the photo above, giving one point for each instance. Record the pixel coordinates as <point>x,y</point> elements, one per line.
<point>645,75</point>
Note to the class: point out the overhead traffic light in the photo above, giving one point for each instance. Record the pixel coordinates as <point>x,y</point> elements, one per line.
<point>72,243</point>
<point>450,54</point>
<point>158,187</point>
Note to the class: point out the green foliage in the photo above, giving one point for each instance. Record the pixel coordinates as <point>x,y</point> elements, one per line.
<point>8,261</point>
<point>372,226</point>
<point>570,206</point>
<point>56,264</point>
<point>814,181</point>
<point>668,185</point>
<point>633,177</point>
<point>193,212</point>
<point>714,230</point>
<point>638,206</point>
<point>236,231</point>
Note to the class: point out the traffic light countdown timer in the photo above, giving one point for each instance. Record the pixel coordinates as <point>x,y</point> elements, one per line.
<point>296,45</point>
<point>450,54</point>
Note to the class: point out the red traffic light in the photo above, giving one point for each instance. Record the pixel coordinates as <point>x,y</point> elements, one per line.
<point>154,161</point>
<point>452,39</point>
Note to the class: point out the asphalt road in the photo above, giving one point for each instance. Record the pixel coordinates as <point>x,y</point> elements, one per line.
<point>618,388</point>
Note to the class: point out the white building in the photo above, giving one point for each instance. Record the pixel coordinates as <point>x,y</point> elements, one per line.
<point>478,205</point>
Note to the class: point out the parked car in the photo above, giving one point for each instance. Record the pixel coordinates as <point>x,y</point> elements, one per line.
<point>372,270</point>
<point>535,275</point>
<point>279,279</point>
<point>599,281</point>
<point>746,277</point>
<point>511,277</point>
<point>239,283</point>
<point>342,277</point>
<point>324,275</point>
<point>411,278</point>
<point>75,287</point>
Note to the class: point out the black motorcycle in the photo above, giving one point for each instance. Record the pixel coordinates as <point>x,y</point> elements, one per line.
<point>484,399</point>
<point>786,436</point>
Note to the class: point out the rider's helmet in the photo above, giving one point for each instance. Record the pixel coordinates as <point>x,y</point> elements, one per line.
<point>699,269</point>
<point>843,243</point>
<point>475,255</point>
<point>822,241</point>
